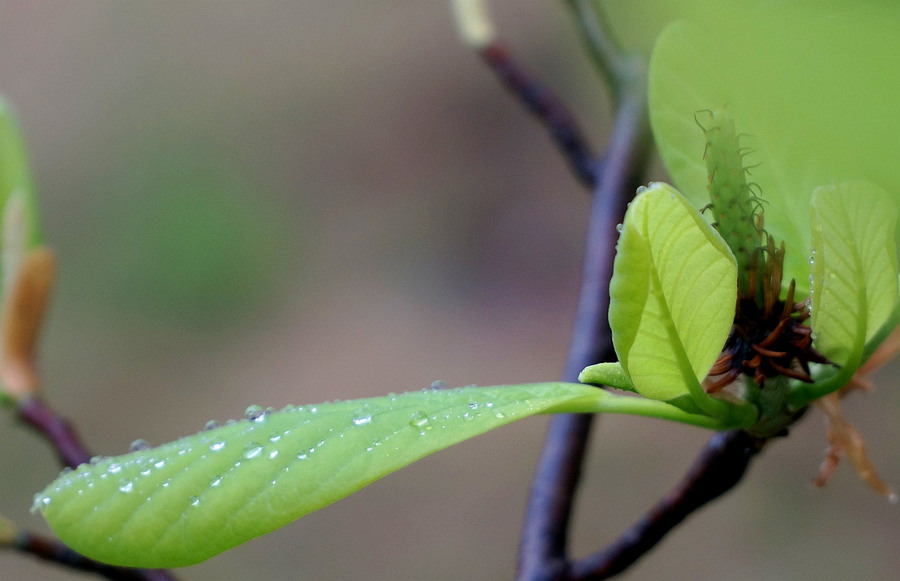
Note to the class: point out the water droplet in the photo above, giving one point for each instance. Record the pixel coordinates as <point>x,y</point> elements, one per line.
<point>302,456</point>
<point>274,437</point>
<point>195,501</point>
<point>96,460</point>
<point>210,425</point>
<point>273,454</point>
<point>139,445</point>
<point>619,228</point>
<point>39,502</point>
<point>115,468</point>
<point>216,482</point>
<point>473,405</point>
<point>255,413</point>
<point>126,486</point>
<point>252,450</point>
<point>641,189</point>
<point>438,385</point>
<point>419,420</point>
<point>159,464</point>
<point>361,421</point>
<point>499,415</point>
<point>216,446</point>
<point>145,472</point>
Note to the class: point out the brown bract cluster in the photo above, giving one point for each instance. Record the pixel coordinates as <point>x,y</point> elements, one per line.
<point>769,336</point>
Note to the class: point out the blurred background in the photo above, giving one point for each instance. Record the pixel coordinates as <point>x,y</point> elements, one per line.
<point>281,202</point>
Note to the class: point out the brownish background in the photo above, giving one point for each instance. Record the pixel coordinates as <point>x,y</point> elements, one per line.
<point>287,202</point>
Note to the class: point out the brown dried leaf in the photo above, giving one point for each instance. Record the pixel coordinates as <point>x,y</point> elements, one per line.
<point>23,312</point>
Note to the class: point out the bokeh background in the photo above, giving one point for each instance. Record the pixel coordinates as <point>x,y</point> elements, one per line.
<point>281,202</point>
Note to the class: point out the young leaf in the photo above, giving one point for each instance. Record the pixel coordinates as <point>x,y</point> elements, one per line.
<point>672,295</point>
<point>854,276</point>
<point>854,267</point>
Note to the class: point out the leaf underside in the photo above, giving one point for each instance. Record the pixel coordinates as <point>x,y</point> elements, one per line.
<point>183,502</point>
<point>777,67</point>
<point>854,267</point>
<point>672,295</point>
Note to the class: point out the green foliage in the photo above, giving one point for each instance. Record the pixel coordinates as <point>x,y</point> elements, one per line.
<point>183,502</point>
<point>812,84</point>
<point>672,296</point>
<point>854,277</point>
<point>854,266</point>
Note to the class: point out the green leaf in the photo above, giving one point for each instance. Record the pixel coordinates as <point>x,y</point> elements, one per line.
<point>186,501</point>
<point>18,205</point>
<point>183,502</point>
<point>854,269</point>
<point>672,295</point>
<point>854,278</point>
<point>813,86</point>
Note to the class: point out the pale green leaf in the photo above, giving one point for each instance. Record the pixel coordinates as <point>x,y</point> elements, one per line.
<point>854,270</point>
<point>813,87</point>
<point>672,296</point>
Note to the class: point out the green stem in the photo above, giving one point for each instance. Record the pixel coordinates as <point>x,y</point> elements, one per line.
<point>605,402</point>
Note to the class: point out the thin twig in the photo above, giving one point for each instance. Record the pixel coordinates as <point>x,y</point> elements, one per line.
<point>55,552</point>
<point>547,108</point>
<point>477,31</point>
<point>719,467</point>
<point>57,430</point>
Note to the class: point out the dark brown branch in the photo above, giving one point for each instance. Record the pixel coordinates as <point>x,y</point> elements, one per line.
<point>544,536</point>
<point>55,552</point>
<point>547,108</point>
<point>719,467</point>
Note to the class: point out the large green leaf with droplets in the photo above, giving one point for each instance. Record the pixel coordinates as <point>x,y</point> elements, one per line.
<point>183,502</point>
<point>672,295</point>
<point>811,84</point>
<point>854,270</point>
